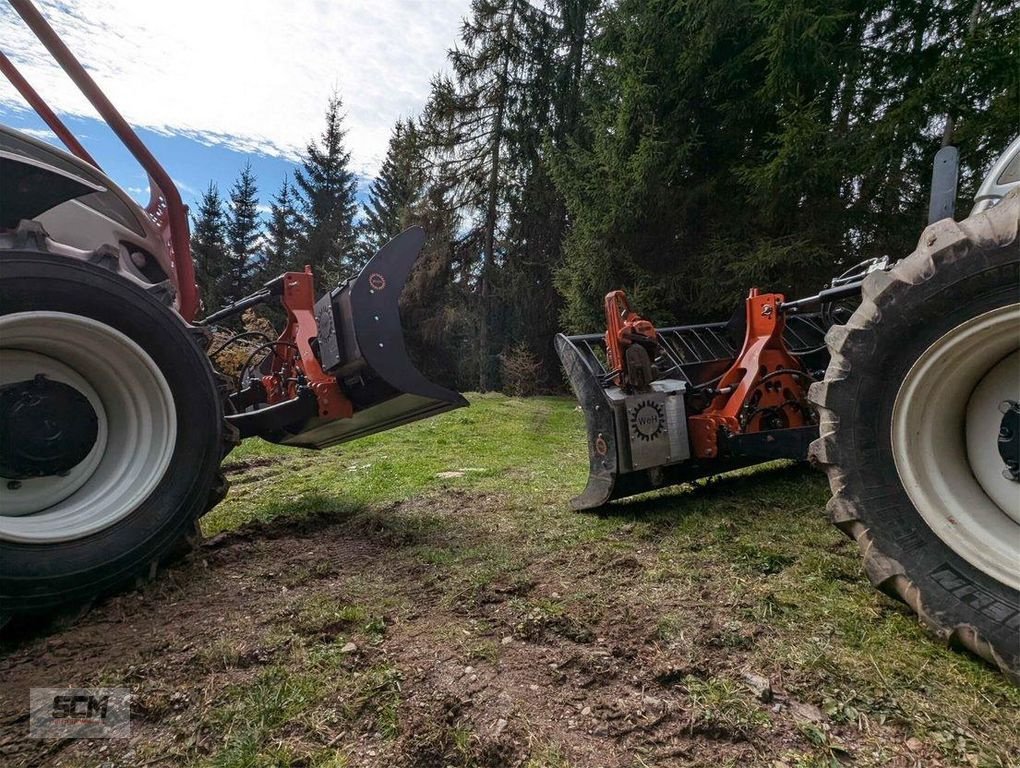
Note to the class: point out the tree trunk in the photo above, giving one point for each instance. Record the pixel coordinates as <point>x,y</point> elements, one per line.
<point>491,218</point>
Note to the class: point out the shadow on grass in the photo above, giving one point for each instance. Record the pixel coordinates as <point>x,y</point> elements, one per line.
<point>312,515</point>
<point>287,517</point>
<point>718,491</point>
<point>18,631</point>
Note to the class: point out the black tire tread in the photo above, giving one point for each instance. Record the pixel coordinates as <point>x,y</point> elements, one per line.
<point>191,536</point>
<point>186,538</point>
<point>941,243</point>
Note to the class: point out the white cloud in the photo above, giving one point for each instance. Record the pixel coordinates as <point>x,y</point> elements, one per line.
<point>43,134</point>
<point>185,188</point>
<point>251,74</point>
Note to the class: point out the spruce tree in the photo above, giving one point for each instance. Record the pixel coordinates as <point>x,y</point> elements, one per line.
<point>547,120</point>
<point>395,191</point>
<point>771,143</point>
<point>243,235</point>
<point>209,248</point>
<point>282,234</point>
<point>327,187</point>
<point>470,119</point>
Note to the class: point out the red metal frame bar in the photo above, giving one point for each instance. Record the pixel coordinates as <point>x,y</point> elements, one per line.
<point>762,378</point>
<point>49,117</point>
<point>165,205</point>
<point>288,363</point>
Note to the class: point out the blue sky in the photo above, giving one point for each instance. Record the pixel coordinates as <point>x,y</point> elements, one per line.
<point>191,163</point>
<point>211,85</point>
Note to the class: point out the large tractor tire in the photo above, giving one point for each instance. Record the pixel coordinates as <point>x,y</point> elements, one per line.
<point>918,426</point>
<point>111,433</point>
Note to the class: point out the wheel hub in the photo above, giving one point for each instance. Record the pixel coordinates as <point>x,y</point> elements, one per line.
<point>60,495</point>
<point>1009,439</point>
<point>47,428</point>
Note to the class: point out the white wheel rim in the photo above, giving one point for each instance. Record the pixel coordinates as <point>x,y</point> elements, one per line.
<point>137,428</point>
<point>984,417</point>
<point>944,441</point>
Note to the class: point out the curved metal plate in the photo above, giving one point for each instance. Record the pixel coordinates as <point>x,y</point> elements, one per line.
<point>385,387</point>
<point>605,480</point>
<point>603,464</point>
<point>375,311</point>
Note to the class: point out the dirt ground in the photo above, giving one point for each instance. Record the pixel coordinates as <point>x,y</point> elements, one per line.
<point>381,658</point>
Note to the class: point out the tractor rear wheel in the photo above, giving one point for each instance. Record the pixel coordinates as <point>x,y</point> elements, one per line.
<point>111,432</point>
<point>917,435</point>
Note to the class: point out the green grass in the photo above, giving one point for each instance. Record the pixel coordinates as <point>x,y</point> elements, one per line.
<point>721,706</point>
<point>320,611</point>
<point>527,449</point>
<point>754,548</point>
<point>274,720</point>
<point>252,713</point>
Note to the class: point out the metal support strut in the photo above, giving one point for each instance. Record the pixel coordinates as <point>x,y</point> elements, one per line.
<point>763,388</point>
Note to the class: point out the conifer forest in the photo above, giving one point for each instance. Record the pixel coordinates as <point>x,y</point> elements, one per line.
<point>681,150</point>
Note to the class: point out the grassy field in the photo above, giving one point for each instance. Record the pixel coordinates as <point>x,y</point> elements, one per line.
<point>530,450</point>
<point>424,597</point>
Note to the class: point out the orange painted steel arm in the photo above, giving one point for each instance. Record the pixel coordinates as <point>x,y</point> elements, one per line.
<point>299,300</point>
<point>757,382</point>
<point>165,205</point>
<point>35,101</point>
<point>623,327</point>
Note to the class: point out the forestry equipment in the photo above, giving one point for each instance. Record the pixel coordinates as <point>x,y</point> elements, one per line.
<point>900,379</point>
<point>113,421</point>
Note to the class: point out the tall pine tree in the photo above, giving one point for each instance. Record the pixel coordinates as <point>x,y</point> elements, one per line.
<point>209,248</point>
<point>545,121</point>
<point>770,143</point>
<point>283,231</point>
<point>470,119</point>
<point>327,187</point>
<point>388,210</point>
<point>243,235</point>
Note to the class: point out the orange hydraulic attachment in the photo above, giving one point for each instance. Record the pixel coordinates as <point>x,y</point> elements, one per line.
<point>763,389</point>
<point>293,361</point>
<point>623,328</point>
